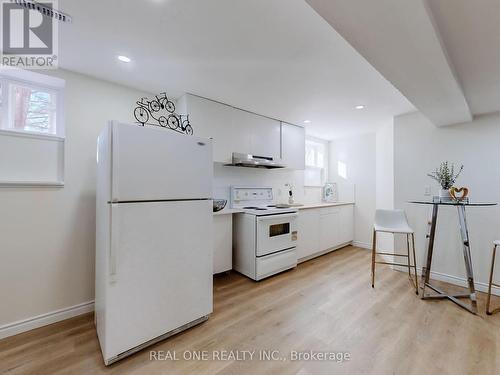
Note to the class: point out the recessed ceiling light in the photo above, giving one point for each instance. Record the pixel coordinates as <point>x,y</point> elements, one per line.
<point>307,121</point>
<point>360,107</point>
<point>124,59</point>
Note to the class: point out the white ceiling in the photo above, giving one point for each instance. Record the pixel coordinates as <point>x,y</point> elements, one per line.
<point>274,57</point>
<point>443,55</point>
<point>399,39</point>
<point>471,34</point>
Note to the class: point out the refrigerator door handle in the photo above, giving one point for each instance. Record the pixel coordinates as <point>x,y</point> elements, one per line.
<point>112,252</point>
<point>115,172</point>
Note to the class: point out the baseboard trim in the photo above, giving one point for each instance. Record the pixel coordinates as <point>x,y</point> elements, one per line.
<point>321,253</point>
<point>455,280</point>
<point>481,287</point>
<point>362,245</point>
<point>25,325</point>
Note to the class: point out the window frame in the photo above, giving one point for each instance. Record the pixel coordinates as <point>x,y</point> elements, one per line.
<point>42,82</point>
<point>322,170</point>
<point>37,81</point>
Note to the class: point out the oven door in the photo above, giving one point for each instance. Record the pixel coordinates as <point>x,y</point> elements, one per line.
<point>276,233</point>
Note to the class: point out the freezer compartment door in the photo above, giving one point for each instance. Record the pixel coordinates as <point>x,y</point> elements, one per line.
<point>159,164</point>
<point>160,268</point>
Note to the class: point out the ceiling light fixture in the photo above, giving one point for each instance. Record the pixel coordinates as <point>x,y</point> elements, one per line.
<point>307,121</point>
<point>124,59</point>
<point>360,107</point>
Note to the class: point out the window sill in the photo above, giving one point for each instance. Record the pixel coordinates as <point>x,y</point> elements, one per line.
<point>16,184</point>
<point>25,134</point>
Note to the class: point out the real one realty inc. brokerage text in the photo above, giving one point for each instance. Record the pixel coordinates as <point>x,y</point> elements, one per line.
<point>248,355</point>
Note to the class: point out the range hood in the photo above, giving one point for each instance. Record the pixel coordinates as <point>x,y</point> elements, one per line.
<point>254,161</point>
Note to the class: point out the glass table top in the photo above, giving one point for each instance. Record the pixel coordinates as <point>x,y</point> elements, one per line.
<point>454,203</point>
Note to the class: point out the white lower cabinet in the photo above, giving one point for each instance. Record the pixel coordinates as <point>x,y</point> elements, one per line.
<point>346,229</point>
<point>321,229</point>
<point>223,243</point>
<point>329,222</point>
<point>308,233</point>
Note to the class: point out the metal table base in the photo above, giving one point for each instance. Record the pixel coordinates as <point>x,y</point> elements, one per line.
<point>472,307</point>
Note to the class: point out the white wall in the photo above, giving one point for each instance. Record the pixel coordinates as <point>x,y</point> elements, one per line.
<point>47,240</point>
<point>225,176</point>
<point>385,179</point>
<point>419,147</point>
<point>359,153</point>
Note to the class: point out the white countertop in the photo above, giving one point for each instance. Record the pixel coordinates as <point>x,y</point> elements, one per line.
<point>322,204</point>
<point>227,211</point>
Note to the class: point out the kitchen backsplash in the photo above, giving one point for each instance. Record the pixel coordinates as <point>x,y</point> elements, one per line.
<point>225,176</point>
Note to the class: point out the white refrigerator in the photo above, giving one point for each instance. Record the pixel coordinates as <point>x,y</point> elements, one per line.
<point>154,236</point>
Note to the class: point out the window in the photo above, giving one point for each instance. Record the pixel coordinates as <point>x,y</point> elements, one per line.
<point>29,107</point>
<point>31,129</point>
<point>33,109</point>
<point>316,162</point>
<point>342,169</point>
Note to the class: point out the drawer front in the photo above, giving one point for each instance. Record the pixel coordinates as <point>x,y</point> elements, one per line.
<point>275,263</point>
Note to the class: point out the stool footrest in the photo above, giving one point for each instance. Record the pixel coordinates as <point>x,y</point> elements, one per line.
<point>395,264</point>
<point>394,255</point>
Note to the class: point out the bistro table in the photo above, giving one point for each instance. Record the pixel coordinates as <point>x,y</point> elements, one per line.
<point>464,232</point>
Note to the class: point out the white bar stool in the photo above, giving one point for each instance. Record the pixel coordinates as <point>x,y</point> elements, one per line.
<point>491,283</point>
<point>395,222</point>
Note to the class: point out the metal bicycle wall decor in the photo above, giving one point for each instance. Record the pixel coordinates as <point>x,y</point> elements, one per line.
<point>160,111</point>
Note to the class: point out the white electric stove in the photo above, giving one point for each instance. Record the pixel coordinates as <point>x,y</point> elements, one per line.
<point>265,236</point>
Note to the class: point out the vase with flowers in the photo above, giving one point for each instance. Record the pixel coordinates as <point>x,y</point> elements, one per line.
<point>446,176</point>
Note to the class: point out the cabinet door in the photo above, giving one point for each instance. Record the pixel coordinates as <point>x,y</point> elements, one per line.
<point>219,122</point>
<point>264,133</point>
<point>346,224</point>
<point>329,228</point>
<point>308,233</point>
<point>293,141</point>
<point>223,242</point>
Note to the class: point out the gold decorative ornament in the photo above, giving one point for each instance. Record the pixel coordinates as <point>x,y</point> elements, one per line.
<point>454,191</point>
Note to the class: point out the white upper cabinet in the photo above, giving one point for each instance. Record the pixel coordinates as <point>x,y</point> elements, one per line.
<point>214,120</point>
<point>264,133</point>
<point>293,143</point>
<point>236,130</point>
<point>232,129</point>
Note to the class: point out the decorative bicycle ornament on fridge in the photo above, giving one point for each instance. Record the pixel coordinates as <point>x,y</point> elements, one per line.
<point>160,111</point>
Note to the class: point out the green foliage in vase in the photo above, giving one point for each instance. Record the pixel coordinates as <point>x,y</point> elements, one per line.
<point>445,175</point>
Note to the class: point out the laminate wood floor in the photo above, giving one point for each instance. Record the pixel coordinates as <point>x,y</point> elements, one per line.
<point>325,304</point>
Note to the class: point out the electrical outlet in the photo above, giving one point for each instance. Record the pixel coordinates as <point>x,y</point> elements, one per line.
<point>427,191</point>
